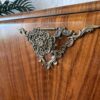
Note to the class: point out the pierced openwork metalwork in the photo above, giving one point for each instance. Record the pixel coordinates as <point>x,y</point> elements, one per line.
<point>43,43</point>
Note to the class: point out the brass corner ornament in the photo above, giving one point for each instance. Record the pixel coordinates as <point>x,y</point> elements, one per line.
<point>43,43</point>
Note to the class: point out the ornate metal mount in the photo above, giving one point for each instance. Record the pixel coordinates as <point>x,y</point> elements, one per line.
<point>43,43</point>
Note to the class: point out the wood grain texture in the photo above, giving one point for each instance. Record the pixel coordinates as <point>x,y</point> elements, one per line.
<point>76,77</point>
<point>77,8</point>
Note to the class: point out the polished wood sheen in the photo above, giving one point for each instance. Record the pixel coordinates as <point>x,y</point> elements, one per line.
<point>76,77</point>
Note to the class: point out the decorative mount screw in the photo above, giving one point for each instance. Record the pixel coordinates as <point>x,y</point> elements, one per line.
<point>43,43</point>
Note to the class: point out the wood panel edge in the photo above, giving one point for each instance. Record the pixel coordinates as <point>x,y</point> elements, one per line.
<point>71,9</point>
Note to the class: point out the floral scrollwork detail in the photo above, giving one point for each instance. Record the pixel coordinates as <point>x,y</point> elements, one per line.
<point>43,43</point>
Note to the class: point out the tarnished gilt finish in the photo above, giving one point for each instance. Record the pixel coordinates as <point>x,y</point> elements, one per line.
<point>76,77</point>
<point>43,43</point>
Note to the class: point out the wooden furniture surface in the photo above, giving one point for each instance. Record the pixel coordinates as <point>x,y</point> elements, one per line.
<point>76,77</point>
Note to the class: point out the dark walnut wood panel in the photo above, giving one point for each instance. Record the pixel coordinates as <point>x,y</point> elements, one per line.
<point>76,77</point>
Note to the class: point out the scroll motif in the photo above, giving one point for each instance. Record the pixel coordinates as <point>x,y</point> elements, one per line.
<point>43,43</point>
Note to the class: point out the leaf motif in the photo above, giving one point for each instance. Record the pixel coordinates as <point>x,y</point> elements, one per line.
<point>19,5</point>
